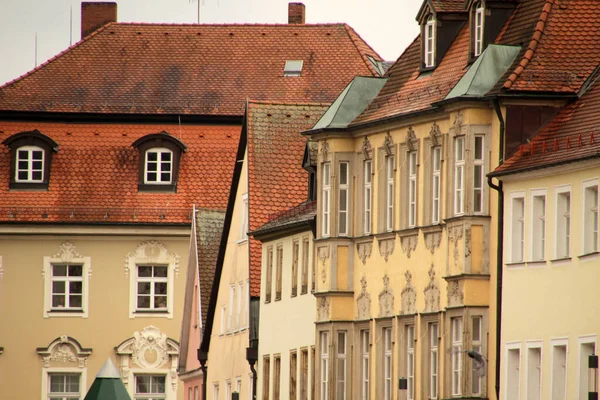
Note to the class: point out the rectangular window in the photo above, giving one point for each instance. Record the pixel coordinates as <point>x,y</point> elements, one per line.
<point>190,393</point>
<point>478,42</point>
<point>433,361</point>
<point>304,266</point>
<point>534,373</point>
<point>150,387</point>
<point>368,196</point>
<point>389,173</point>
<point>513,386</point>
<point>67,287</point>
<point>457,349</point>
<point>590,219</point>
<point>231,308</point>
<point>29,164</point>
<point>196,393</point>
<point>478,370</point>
<point>517,229</point>
<point>216,391</point>
<point>410,362</point>
<point>279,273</point>
<point>430,42</point>
<point>387,364</point>
<point>159,166</point>
<point>152,287</point>
<point>64,386</point>
<point>223,319</point>
<point>436,154</point>
<point>559,373</point>
<point>228,389</point>
<point>412,189</point>
<point>365,365</point>
<point>324,366</point>
<point>341,366</point>
<point>538,226</point>
<point>250,388</point>
<point>269,277</point>
<point>293,374</point>
<point>304,374</point>
<point>238,385</point>
<point>326,198</point>
<point>244,219</point>
<point>266,376</point>
<point>459,175</point>
<point>478,174</point>
<point>585,351</point>
<point>343,200</point>
<point>295,255</point>
<point>239,306</point>
<point>563,224</point>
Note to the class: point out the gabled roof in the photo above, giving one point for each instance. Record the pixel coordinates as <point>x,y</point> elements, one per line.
<point>133,68</point>
<point>276,178</point>
<point>296,217</point>
<point>572,136</point>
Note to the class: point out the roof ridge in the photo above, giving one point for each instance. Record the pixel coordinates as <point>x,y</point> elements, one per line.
<point>54,58</point>
<point>354,36</point>
<point>287,103</point>
<point>192,24</point>
<point>536,38</point>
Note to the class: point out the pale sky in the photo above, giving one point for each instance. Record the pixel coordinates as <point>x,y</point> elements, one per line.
<point>387,25</point>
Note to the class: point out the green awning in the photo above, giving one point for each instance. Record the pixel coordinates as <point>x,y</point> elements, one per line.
<point>108,385</point>
<point>350,103</point>
<point>485,71</point>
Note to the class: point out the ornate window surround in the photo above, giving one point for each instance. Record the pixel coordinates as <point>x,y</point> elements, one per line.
<point>435,139</point>
<point>151,253</point>
<point>409,145</point>
<point>389,149</point>
<point>366,154</point>
<point>66,254</point>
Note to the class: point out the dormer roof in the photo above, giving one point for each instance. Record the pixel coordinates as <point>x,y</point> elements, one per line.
<point>440,7</point>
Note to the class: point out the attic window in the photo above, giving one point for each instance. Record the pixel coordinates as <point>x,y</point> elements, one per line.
<point>293,68</point>
<point>429,45</point>
<point>478,29</point>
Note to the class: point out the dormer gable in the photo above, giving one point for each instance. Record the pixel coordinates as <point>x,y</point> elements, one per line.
<point>486,19</point>
<point>440,21</point>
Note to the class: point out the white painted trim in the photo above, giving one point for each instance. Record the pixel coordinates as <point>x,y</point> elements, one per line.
<point>532,194</point>
<point>520,194</point>
<point>555,343</point>
<point>515,345</point>
<point>170,381</point>
<point>557,191</point>
<point>584,185</point>
<point>534,344</point>
<point>583,339</point>
<point>82,381</point>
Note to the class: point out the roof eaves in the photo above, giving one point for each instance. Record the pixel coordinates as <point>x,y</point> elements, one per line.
<point>514,171</point>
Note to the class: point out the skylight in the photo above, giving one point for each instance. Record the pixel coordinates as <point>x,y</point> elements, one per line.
<point>293,68</point>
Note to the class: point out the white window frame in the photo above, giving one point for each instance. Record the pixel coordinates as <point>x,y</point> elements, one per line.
<point>341,366</point>
<point>508,347</point>
<point>479,169</point>
<point>390,165</point>
<point>410,362</point>
<point>459,172</point>
<point>589,218</point>
<point>537,236</point>
<point>244,219</point>
<point>30,170</point>
<point>46,372</point>
<point>412,188</point>
<point>429,45</point>
<point>436,182</point>
<point>587,339</point>
<point>564,342</point>
<point>223,319</point>
<point>239,324</point>
<point>153,396</point>
<point>558,215</point>
<point>476,345</point>
<point>324,355</point>
<point>326,198</point>
<point>238,385</point>
<point>478,31</point>
<point>368,195</point>
<point>343,194</point>
<point>456,324</point>
<point>67,255</point>
<point>365,365</point>
<point>228,389</point>
<point>152,253</point>
<point>231,306</point>
<point>159,151</point>
<point>216,391</point>
<point>537,345</point>
<point>434,360</point>
<point>152,280</point>
<point>516,246</point>
<point>388,387</point>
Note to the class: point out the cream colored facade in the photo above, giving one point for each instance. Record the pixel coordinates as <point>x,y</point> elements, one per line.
<point>228,370</point>
<point>287,331</point>
<point>548,323</point>
<point>40,340</point>
<point>389,296</point>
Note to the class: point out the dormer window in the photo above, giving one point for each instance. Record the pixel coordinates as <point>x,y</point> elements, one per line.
<point>478,29</point>
<point>160,156</point>
<point>429,45</point>
<point>31,159</point>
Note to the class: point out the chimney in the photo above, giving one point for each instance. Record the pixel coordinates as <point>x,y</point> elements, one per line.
<point>296,13</point>
<point>95,15</point>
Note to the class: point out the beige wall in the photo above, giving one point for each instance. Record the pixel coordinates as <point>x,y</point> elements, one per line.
<point>24,327</point>
<point>552,301</point>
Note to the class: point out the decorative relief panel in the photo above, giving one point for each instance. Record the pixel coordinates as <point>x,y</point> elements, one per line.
<point>66,254</point>
<point>363,302</point>
<point>323,255</point>
<point>411,139</point>
<point>435,134</point>
<point>432,292</point>
<point>455,294</point>
<point>455,234</point>
<point>366,148</point>
<point>386,299</point>
<point>151,252</point>
<point>323,308</point>
<point>364,250</point>
<point>325,149</point>
<point>458,126</point>
<point>409,296</point>
<point>63,351</point>
<point>467,240</point>
<point>409,243</point>
<point>388,144</point>
<point>433,240</point>
<point>386,247</point>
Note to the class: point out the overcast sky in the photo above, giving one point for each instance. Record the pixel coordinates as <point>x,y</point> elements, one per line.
<point>387,25</point>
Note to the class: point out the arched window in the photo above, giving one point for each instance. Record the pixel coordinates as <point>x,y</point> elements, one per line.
<point>429,45</point>
<point>478,28</point>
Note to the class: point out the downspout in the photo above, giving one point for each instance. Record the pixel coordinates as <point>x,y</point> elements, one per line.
<point>202,358</point>
<point>500,247</point>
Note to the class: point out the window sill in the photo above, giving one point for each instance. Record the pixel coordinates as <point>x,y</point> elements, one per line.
<point>66,313</point>
<point>536,264</point>
<point>242,241</point>
<point>151,313</point>
<point>515,265</point>
<point>560,261</point>
<point>589,256</point>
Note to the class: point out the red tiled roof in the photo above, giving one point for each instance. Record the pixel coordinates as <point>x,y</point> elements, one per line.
<point>302,213</point>
<point>191,69</point>
<point>94,174</point>
<point>449,5</point>
<point>563,50</point>
<point>276,177</point>
<point>573,135</point>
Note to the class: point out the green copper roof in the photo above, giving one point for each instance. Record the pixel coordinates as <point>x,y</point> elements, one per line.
<point>350,103</point>
<point>485,71</point>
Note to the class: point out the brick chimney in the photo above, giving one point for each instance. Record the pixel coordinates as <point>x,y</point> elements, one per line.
<point>96,14</point>
<point>296,13</point>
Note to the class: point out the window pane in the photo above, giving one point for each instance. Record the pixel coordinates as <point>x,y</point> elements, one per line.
<point>152,156</point>
<point>152,167</point>
<point>160,272</point>
<point>58,301</point>
<point>58,287</point>
<point>36,175</point>
<point>479,147</point>
<point>165,157</point>
<point>160,288</point>
<point>165,177</point>
<point>57,383</point>
<point>38,155</point>
<point>142,384</point>
<point>160,301</point>
<point>76,287</point>
<point>75,270</point>
<point>151,177</point>
<point>59,270</point>
<point>143,287</point>
<point>144,271</point>
<point>23,154</point>
<point>75,301</point>
<point>22,175</point>
<point>143,302</point>
<point>343,173</point>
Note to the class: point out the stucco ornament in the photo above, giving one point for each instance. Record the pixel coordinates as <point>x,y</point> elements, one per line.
<point>386,247</point>
<point>458,124</point>
<point>386,299</point>
<point>364,251</point>
<point>66,254</point>
<point>323,255</point>
<point>64,350</point>
<point>467,241</point>
<point>432,292</point>
<point>411,139</point>
<point>408,296</point>
<point>323,309</point>
<point>455,234</point>
<point>388,144</point>
<point>366,148</point>
<point>432,240</point>
<point>325,149</point>
<point>435,134</point>
<point>455,294</point>
<point>151,252</point>
<point>363,302</point>
<point>409,244</point>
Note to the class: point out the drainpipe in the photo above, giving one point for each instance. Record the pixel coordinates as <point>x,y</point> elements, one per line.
<point>500,247</point>
<point>202,358</point>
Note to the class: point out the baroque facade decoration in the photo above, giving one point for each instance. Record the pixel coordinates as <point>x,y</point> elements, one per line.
<point>364,250</point>
<point>366,149</point>
<point>386,247</point>
<point>325,149</point>
<point>323,255</point>
<point>455,234</point>
<point>432,292</point>
<point>386,299</point>
<point>323,308</point>
<point>63,351</point>
<point>151,252</point>
<point>409,243</point>
<point>433,238</point>
<point>66,254</point>
<point>388,144</point>
<point>455,294</point>
<point>408,296</point>
<point>363,302</point>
